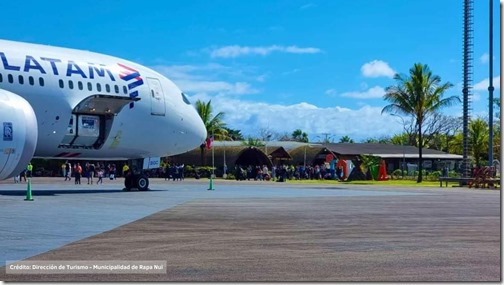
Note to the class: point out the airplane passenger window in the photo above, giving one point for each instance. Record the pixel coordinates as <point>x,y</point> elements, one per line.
<point>125,90</point>
<point>90,86</point>
<point>10,78</point>
<point>80,85</point>
<point>61,83</point>
<point>41,81</point>
<point>186,100</point>
<point>31,80</point>
<point>98,87</point>
<point>21,79</point>
<point>116,89</point>
<point>107,87</point>
<point>70,84</point>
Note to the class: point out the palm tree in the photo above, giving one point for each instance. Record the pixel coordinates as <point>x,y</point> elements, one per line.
<point>214,125</point>
<point>419,95</point>
<point>234,135</point>
<point>346,139</point>
<point>300,136</point>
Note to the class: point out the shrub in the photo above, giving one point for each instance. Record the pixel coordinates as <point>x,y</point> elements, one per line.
<point>434,175</point>
<point>452,173</point>
<point>397,173</point>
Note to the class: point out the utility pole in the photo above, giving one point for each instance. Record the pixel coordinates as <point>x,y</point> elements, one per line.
<point>490,90</point>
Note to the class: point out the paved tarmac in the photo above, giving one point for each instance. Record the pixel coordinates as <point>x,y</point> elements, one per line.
<point>256,231</point>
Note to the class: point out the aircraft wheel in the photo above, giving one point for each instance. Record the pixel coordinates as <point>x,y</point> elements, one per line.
<point>142,183</point>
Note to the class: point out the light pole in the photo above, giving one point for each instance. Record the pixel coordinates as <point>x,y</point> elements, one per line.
<point>402,145</point>
<point>224,167</point>
<point>490,90</point>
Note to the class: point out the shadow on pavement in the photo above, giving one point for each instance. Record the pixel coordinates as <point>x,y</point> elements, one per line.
<point>62,192</point>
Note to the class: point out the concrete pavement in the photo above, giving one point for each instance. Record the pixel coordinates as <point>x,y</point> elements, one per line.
<point>258,231</point>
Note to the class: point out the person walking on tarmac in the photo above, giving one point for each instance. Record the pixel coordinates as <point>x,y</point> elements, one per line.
<point>125,169</point>
<point>78,173</point>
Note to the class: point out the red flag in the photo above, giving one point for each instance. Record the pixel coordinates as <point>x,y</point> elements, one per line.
<point>209,142</point>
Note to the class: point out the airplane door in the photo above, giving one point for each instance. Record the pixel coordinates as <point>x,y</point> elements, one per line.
<point>157,97</point>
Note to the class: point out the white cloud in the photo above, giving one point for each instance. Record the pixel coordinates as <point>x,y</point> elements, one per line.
<point>261,78</point>
<point>485,58</point>
<point>377,68</point>
<point>236,50</point>
<point>331,92</point>
<point>197,79</point>
<point>237,88</point>
<point>483,84</point>
<point>373,92</point>
<point>201,82</point>
<point>190,72</point>
<point>249,117</point>
<point>475,97</point>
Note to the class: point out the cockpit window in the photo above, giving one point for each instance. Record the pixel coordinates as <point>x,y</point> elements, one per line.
<point>186,100</point>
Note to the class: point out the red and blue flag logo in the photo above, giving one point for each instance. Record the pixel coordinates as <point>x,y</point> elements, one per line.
<point>133,78</point>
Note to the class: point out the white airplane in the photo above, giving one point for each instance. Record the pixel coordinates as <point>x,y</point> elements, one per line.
<point>65,103</point>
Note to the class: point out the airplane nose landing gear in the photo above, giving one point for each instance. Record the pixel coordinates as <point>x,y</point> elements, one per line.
<point>136,181</point>
<point>135,178</point>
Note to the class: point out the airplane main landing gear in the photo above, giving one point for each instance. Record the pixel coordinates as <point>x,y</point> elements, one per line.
<point>136,181</point>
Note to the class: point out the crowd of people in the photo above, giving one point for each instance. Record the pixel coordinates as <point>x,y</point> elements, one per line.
<point>89,171</point>
<point>283,172</point>
<point>174,172</point>
<point>95,172</point>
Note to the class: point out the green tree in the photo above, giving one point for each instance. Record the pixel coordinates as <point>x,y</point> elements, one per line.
<point>253,142</point>
<point>346,139</point>
<point>420,95</point>
<point>478,139</point>
<point>234,135</point>
<point>400,139</point>
<point>214,125</point>
<point>382,140</point>
<point>497,103</point>
<point>300,136</point>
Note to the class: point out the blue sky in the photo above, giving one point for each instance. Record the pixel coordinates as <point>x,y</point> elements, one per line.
<point>319,66</point>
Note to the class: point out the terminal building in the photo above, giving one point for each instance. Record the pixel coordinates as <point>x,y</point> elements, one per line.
<point>225,155</point>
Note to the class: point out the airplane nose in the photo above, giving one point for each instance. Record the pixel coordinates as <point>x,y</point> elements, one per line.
<point>197,130</point>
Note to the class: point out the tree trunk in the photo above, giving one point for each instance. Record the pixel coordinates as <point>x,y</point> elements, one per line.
<point>420,146</point>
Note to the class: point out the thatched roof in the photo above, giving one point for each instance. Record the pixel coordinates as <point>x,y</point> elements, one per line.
<point>279,154</point>
<point>231,155</point>
<point>315,154</point>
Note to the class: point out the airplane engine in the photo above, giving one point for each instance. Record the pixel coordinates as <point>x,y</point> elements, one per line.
<point>19,133</point>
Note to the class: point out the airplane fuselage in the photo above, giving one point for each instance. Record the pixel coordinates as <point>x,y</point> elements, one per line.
<point>95,106</point>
